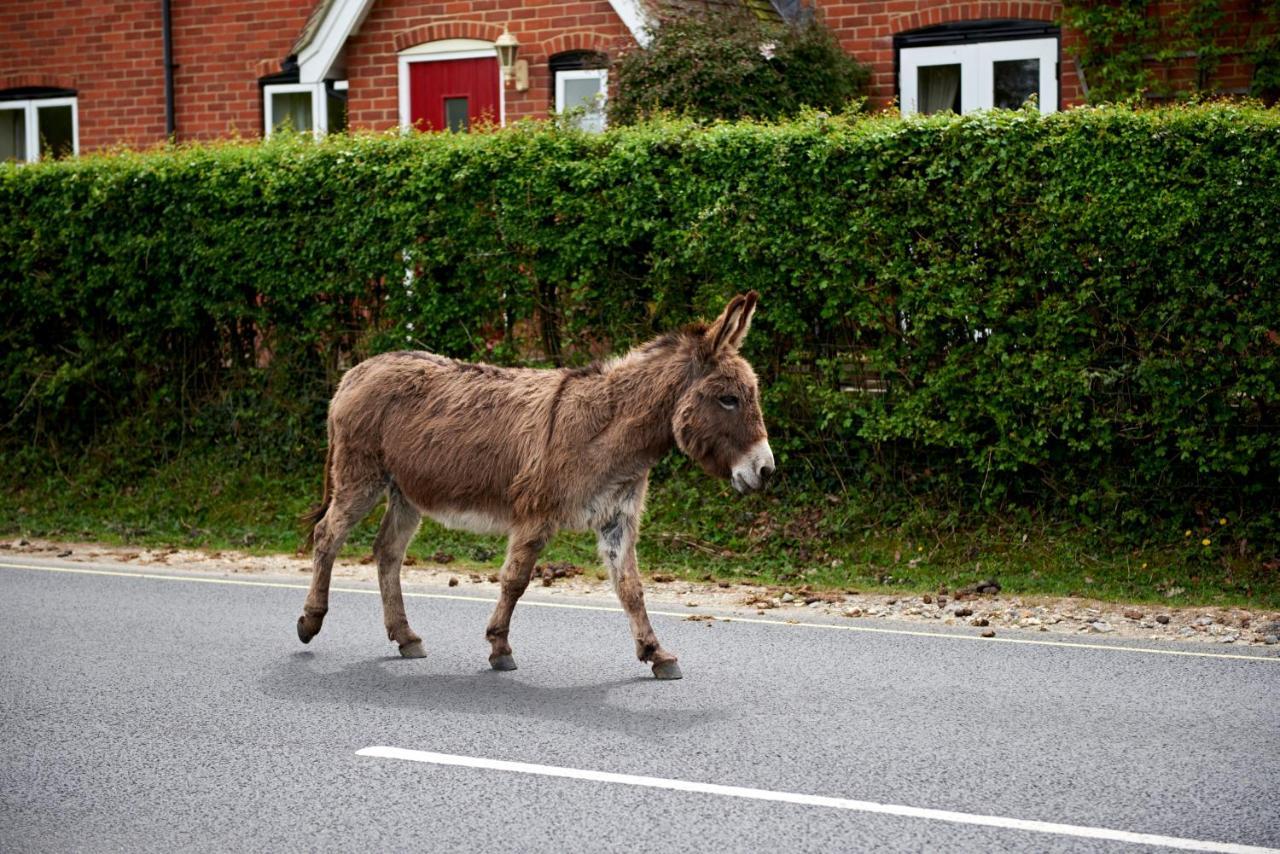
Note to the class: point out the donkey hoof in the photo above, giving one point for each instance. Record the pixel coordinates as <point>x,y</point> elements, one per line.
<point>308,627</point>
<point>502,662</point>
<point>413,649</point>
<point>667,670</point>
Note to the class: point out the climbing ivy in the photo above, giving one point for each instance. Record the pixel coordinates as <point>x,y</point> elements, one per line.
<point>1129,51</point>
<point>1264,52</point>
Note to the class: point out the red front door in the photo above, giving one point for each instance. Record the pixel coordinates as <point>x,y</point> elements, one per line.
<point>453,94</point>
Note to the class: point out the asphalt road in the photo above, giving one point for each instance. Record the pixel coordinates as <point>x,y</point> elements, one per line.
<point>151,714</point>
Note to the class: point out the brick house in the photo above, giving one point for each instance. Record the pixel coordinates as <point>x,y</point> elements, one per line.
<point>80,75</point>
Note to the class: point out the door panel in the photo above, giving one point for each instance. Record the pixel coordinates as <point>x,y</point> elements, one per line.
<point>451,94</point>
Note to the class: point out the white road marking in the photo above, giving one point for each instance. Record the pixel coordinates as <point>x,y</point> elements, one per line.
<point>1055,828</point>
<point>534,603</point>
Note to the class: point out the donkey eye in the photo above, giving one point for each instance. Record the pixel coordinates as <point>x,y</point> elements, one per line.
<point>728,401</point>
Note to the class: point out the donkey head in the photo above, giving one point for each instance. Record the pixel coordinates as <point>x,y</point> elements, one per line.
<point>717,420</point>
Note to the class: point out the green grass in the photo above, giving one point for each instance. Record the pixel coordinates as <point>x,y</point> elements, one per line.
<point>694,528</point>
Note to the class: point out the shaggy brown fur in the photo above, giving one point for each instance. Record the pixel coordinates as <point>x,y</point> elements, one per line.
<point>529,452</point>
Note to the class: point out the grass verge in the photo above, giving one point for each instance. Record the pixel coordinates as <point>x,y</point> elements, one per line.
<point>694,528</point>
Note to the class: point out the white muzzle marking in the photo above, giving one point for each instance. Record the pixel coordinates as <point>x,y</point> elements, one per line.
<point>753,467</point>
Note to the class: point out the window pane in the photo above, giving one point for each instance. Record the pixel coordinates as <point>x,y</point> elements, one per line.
<point>455,114</point>
<point>57,136</point>
<point>292,110</point>
<point>584,93</point>
<point>337,112</point>
<point>938,88</point>
<point>13,135</point>
<point>581,92</point>
<point>1015,81</point>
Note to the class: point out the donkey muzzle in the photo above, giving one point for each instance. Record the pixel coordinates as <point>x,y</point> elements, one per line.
<point>753,468</point>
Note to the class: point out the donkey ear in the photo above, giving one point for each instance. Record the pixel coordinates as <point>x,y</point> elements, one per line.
<point>732,324</point>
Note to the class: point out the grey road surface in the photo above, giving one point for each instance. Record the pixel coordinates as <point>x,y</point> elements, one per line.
<point>151,714</point>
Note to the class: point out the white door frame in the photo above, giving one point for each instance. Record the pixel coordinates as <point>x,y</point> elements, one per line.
<point>976,61</point>
<point>407,58</point>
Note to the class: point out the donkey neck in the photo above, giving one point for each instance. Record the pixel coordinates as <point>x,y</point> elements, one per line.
<point>644,387</point>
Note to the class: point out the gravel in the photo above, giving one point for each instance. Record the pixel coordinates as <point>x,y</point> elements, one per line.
<point>1063,616</point>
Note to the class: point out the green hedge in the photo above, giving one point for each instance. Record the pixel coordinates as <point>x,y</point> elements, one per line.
<point>1077,316</point>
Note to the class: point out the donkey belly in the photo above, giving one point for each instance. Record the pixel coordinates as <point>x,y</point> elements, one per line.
<point>475,521</point>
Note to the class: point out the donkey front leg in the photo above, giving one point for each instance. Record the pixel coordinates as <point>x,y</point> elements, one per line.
<point>523,548</point>
<point>350,504</point>
<point>617,544</point>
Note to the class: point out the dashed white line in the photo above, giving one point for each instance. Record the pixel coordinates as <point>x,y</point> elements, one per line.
<point>534,603</point>
<point>1081,831</point>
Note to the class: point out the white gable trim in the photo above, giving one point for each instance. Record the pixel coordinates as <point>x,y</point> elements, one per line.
<point>633,15</point>
<point>342,20</point>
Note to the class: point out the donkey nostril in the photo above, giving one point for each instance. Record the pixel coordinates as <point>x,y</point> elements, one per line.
<point>765,472</point>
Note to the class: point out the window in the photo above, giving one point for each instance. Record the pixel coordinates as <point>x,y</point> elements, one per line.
<point>974,66</point>
<point>317,107</point>
<point>457,118</point>
<point>32,128</point>
<point>582,86</point>
<point>584,90</point>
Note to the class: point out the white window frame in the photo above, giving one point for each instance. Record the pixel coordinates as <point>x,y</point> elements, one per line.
<point>319,104</point>
<point>601,74</point>
<point>31,118</point>
<point>465,49</point>
<point>977,61</point>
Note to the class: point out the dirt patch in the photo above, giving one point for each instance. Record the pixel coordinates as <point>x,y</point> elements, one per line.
<point>985,609</point>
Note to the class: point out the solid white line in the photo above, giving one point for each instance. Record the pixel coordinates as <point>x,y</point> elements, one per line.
<point>815,801</point>
<point>454,597</point>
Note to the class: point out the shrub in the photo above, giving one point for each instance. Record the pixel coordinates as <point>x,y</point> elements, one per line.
<point>1075,315</point>
<point>734,66</point>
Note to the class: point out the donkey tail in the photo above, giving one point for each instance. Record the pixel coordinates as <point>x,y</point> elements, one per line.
<point>313,516</point>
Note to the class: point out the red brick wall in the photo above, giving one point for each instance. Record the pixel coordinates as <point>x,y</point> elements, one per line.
<point>221,49</point>
<point>542,28</point>
<point>866,30</point>
<point>112,54</point>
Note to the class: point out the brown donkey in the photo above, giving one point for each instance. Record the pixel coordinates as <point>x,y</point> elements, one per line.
<point>529,452</point>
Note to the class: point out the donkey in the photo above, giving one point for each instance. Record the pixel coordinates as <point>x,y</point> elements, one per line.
<point>527,453</point>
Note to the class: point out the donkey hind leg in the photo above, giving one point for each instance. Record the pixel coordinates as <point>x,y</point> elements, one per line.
<point>350,502</point>
<point>523,548</point>
<point>616,540</point>
<point>398,527</point>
